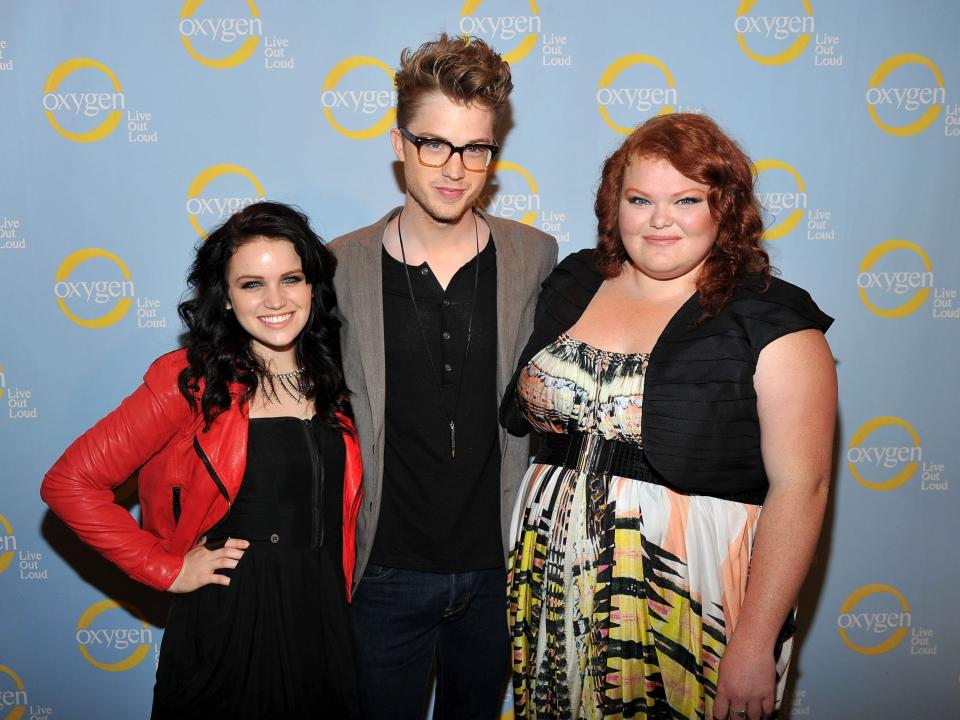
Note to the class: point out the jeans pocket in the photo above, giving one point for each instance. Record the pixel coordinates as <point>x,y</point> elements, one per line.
<point>377,573</point>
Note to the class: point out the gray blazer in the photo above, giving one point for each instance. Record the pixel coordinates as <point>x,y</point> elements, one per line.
<point>525,256</point>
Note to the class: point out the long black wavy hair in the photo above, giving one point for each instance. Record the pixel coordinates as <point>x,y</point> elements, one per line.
<point>218,348</point>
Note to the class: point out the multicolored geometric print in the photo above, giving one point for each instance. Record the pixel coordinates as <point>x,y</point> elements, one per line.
<point>622,593</point>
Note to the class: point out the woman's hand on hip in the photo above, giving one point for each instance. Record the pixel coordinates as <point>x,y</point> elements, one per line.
<point>200,565</point>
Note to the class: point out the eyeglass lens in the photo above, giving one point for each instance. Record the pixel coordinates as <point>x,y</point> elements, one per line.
<point>436,153</point>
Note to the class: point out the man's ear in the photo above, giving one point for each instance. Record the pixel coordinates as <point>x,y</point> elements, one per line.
<point>396,139</point>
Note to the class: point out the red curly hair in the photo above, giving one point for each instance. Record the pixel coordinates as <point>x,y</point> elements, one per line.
<point>696,146</point>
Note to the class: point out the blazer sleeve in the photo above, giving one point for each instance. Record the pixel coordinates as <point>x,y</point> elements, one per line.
<point>79,486</point>
<point>564,296</point>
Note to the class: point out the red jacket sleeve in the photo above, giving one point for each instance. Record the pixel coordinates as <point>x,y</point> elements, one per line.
<point>352,498</point>
<point>79,487</point>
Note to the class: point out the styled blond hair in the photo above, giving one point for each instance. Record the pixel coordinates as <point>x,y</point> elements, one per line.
<point>465,69</point>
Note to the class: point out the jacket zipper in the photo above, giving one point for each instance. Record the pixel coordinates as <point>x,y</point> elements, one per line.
<point>316,488</point>
<point>176,504</point>
<point>213,473</point>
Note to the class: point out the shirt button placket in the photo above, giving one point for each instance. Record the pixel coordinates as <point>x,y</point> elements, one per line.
<point>445,335</point>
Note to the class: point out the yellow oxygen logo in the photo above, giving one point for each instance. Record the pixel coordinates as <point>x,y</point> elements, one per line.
<point>220,30</point>
<point>777,27</point>
<point>88,104</point>
<point>906,99</point>
<point>777,202</point>
<point>222,206</point>
<point>896,283</point>
<point>902,459</point>
<point>503,27</point>
<point>367,102</point>
<point>865,626</point>
<point>13,703</point>
<point>130,644</point>
<point>638,99</point>
<point>8,544</point>
<point>98,292</point>
<point>510,205</point>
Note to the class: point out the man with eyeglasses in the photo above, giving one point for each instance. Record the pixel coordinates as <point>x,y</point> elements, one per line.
<point>437,301</point>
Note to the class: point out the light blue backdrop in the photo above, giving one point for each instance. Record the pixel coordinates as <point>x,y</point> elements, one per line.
<point>127,128</point>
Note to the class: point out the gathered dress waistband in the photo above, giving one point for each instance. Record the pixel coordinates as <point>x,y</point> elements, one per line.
<point>594,454</point>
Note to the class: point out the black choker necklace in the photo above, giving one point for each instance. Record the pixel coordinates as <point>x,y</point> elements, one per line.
<point>466,348</point>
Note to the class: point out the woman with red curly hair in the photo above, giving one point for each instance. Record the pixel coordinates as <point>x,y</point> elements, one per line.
<point>684,401</point>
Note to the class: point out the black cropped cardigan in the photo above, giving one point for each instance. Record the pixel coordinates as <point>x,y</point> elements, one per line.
<point>700,430</point>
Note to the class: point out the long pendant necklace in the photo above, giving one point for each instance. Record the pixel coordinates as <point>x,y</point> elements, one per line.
<point>452,421</point>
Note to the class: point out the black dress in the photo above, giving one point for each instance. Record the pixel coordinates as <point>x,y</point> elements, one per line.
<point>275,643</point>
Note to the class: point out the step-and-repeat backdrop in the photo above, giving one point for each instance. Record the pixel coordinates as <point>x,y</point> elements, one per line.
<point>128,129</point>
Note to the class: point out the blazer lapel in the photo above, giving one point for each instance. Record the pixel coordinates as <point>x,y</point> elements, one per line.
<point>509,272</point>
<point>366,287</point>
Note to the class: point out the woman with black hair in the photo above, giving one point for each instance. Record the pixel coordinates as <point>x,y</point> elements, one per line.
<point>249,482</point>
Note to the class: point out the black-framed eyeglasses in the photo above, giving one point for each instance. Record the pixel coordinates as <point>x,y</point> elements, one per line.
<point>434,152</point>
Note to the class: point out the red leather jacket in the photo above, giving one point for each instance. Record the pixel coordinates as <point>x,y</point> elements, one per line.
<point>155,430</point>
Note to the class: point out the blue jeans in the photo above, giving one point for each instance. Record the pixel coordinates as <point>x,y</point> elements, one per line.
<point>404,621</point>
